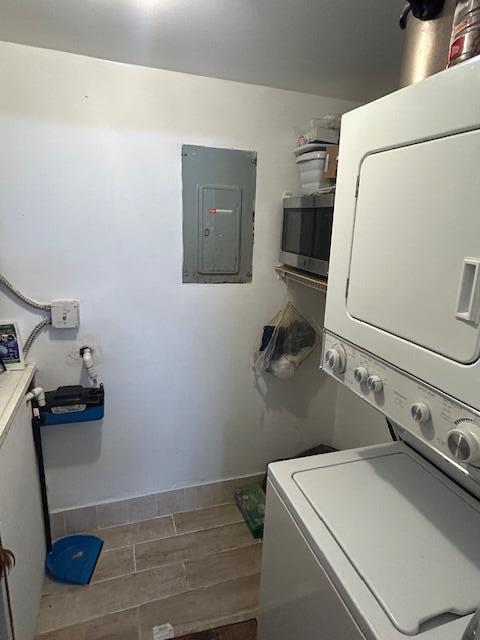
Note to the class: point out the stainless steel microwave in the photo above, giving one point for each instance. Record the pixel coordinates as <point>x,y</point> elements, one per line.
<point>307,232</point>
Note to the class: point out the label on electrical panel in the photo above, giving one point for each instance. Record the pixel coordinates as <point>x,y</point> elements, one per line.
<point>213,212</point>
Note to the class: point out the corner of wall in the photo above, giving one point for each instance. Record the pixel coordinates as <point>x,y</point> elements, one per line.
<point>357,423</point>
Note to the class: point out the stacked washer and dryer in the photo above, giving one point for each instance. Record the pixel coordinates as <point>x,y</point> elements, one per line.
<point>383,542</point>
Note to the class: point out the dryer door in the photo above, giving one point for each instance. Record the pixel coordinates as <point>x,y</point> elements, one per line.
<point>416,242</point>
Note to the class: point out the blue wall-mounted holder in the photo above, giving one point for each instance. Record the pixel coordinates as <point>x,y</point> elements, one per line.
<point>73,404</point>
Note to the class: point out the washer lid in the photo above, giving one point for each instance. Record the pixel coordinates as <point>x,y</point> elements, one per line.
<point>412,538</point>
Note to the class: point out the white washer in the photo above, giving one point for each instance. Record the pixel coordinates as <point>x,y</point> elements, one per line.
<point>383,543</point>
<point>370,543</point>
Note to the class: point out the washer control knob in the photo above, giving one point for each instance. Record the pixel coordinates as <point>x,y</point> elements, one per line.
<point>464,444</point>
<point>420,412</point>
<point>375,384</point>
<point>336,359</point>
<point>361,375</point>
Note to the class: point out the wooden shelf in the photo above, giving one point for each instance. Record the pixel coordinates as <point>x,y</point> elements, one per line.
<point>302,277</point>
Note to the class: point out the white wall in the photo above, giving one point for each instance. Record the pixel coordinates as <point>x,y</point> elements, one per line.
<point>90,207</point>
<point>357,424</point>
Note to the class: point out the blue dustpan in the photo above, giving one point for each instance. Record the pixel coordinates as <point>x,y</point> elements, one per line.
<point>73,559</point>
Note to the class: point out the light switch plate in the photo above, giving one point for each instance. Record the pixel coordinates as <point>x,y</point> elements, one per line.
<point>65,314</point>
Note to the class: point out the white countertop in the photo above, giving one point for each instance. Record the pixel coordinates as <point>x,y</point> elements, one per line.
<point>13,387</point>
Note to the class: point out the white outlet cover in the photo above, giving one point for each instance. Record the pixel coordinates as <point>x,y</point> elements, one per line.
<point>163,632</point>
<point>65,314</point>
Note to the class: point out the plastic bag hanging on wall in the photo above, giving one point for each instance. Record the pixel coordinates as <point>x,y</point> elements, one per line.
<point>286,341</point>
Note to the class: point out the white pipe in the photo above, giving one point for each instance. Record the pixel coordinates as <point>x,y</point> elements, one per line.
<point>37,394</point>
<point>87,356</point>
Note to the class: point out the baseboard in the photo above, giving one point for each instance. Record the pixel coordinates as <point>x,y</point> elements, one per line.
<point>146,507</point>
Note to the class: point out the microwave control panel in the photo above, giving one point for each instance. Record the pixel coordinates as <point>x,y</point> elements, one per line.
<point>431,416</point>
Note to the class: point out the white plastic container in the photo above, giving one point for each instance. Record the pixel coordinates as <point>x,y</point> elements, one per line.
<point>307,148</point>
<point>311,167</point>
<point>326,129</point>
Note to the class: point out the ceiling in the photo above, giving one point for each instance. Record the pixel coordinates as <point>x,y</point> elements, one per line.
<point>339,48</point>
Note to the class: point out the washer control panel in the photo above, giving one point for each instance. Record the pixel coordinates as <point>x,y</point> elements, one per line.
<point>431,416</point>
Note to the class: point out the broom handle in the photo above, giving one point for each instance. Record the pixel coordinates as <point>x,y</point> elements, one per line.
<point>37,439</point>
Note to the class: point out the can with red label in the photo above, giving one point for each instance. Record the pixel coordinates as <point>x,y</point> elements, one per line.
<point>465,39</point>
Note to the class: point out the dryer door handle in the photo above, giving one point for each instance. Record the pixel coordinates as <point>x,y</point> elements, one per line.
<point>468,303</point>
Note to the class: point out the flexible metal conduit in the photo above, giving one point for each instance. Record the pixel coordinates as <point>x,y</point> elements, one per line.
<point>34,333</point>
<point>32,303</point>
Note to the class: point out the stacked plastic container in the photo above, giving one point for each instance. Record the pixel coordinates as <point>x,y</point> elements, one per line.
<point>316,138</point>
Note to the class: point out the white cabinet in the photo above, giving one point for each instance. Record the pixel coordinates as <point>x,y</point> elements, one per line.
<point>21,522</point>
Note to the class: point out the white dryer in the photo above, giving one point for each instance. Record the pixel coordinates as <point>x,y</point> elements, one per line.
<point>383,543</point>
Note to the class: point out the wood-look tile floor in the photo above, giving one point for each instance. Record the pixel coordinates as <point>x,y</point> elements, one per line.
<point>240,631</point>
<point>195,571</point>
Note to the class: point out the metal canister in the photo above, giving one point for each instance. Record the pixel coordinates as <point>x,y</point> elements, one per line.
<point>465,39</point>
<point>427,39</point>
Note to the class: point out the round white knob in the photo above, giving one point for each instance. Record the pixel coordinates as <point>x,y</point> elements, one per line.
<point>375,384</point>
<point>361,375</point>
<point>464,444</point>
<point>336,359</point>
<point>420,412</point>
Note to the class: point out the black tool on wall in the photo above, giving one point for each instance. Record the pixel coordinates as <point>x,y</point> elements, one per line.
<point>37,439</point>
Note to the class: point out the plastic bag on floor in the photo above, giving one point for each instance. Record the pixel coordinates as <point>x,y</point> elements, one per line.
<point>285,343</point>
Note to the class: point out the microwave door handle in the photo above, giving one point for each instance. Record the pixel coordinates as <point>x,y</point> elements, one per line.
<point>468,303</point>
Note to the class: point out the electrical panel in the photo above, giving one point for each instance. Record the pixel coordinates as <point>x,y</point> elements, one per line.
<point>218,214</point>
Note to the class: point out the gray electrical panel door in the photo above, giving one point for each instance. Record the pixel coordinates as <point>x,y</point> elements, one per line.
<point>218,214</point>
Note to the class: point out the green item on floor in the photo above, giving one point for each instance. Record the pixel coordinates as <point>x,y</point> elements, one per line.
<point>251,502</point>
